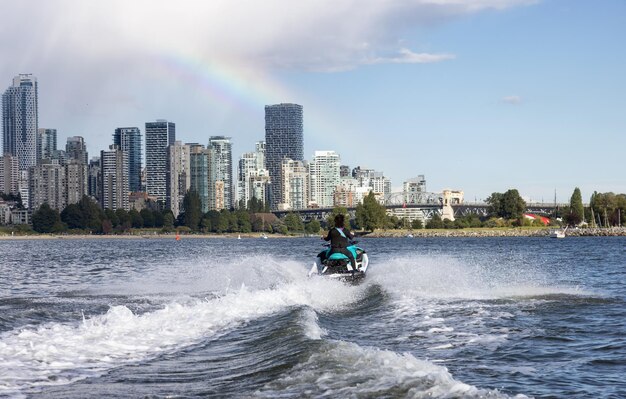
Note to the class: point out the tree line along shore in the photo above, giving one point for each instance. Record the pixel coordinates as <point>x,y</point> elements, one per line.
<point>397,233</point>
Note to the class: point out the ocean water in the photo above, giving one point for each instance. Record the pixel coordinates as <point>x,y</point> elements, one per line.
<point>221,317</point>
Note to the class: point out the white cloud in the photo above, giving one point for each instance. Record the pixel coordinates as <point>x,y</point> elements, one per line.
<point>406,56</point>
<point>513,100</point>
<point>305,34</point>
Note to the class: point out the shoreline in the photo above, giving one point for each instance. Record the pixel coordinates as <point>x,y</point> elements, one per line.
<point>424,233</point>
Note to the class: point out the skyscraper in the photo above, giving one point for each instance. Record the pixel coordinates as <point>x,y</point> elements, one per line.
<point>75,149</point>
<point>9,176</point>
<point>46,143</point>
<point>324,177</point>
<point>220,173</point>
<point>114,191</point>
<point>178,176</point>
<point>20,120</point>
<point>129,140</point>
<point>284,138</point>
<point>199,171</point>
<point>159,135</point>
<point>48,184</point>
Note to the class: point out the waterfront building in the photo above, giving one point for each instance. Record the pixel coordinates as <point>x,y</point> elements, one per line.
<point>23,186</point>
<point>284,138</point>
<point>20,120</point>
<point>414,185</point>
<point>199,173</point>
<point>76,149</point>
<point>178,176</point>
<point>159,135</point>
<point>77,180</point>
<point>348,193</point>
<point>295,185</point>
<point>9,174</point>
<point>252,176</point>
<point>115,188</point>
<point>94,184</point>
<point>376,181</point>
<point>260,185</point>
<point>46,143</point>
<point>129,140</point>
<point>220,173</point>
<point>47,184</point>
<point>324,177</point>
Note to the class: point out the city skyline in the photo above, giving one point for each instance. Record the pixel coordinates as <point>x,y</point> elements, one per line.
<point>480,97</point>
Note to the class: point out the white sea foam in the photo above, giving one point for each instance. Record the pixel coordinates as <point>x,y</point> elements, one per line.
<point>371,372</point>
<point>59,353</point>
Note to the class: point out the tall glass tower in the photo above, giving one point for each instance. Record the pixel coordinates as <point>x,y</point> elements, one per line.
<point>46,143</point>
<point>20,120</point>
<point>284,138</point>
<point>220,172</point>
<point>159,135</point>
<point>129,140</point>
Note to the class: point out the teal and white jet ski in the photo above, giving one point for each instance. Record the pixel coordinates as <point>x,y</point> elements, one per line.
<point>338,265</point>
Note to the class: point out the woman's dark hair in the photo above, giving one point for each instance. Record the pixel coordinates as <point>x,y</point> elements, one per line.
<point>339,220</point>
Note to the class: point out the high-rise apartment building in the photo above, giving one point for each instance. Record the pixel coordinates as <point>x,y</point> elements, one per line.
<point>324,177</point>
<point>9,174</point>
<point>77,181</point>
<point>220,173</point>
<point>20,120</point>
<point>48,184</point>
<point>94,185</point>
<point>199,173</point>
<point>295,185</point>
<point>115,188</point>
<point>46,143</point>
<point>75,149</point>
<point>159,135</point>
<point>129,140</point>
<point>178,176</point>
<point>284,138</point>
<point>251,170</point>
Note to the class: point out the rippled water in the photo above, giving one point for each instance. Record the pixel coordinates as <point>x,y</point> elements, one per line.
<point>447,317</point>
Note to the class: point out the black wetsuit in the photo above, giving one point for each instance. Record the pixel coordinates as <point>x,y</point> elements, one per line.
<point>339,243</point>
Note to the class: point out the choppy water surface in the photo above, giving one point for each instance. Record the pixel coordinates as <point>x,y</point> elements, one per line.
<point>447,318</point>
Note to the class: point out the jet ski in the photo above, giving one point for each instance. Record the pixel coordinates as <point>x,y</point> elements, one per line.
<point>338,265</point>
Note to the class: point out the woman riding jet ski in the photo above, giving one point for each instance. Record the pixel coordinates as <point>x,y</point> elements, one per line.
<point>343,259</point>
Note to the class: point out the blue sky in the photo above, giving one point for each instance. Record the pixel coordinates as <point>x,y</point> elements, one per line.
<point>480,96</point>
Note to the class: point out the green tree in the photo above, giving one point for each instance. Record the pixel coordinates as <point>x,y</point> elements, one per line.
<point>148,217</point>
<point>125,222</point>
<point>243,220</point>
<point>111,216</point>
<point>92,214</point>
<point>576,209</point>
<point>417,224</point>
<point>46,220</point>
<point>495,205</point>
<point>513,206</point>
<point>435,222</point>
<point>294,224</point>
<point>192,210</point>
<point>370,215</point>
<point>135,219</point>
<point>72,216</point>
<point>313,227</point>
<point>168,219</point>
